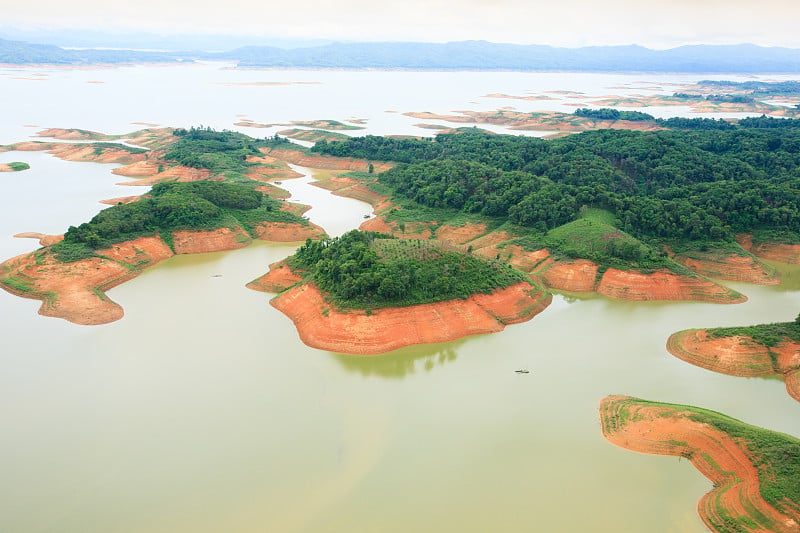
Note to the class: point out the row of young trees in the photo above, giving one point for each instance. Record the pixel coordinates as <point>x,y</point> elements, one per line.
<point>357,272</point>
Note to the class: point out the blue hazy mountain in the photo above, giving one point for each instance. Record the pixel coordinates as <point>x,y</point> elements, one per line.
<point>477,55</point>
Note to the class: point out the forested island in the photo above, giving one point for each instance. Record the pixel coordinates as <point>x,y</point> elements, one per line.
<point>633,201</point>
<point>210,192</point>
<point>14,166</point>
<point>367,293</point>
<point>749,351</point>
<point>755,472</point>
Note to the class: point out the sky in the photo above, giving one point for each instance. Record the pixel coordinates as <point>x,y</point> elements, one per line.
<point>570,23</point>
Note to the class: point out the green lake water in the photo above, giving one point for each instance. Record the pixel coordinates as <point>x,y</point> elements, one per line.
<point>201,410</point>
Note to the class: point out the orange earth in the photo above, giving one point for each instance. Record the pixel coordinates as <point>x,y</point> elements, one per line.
<point>667,430</point>
<point>350,188</point>
<point>76,291</point>
<point>297,157</point>
<point>382,330</point>
<point>664,285</point>
<point>175,173</point>
<point>582,275</point>
<point>44,239</point>
<point>71,134</point>
<point>578,275</point>
<point>279,278</point>
<point>739,356</point>
<point>121,200</point>
<point>732,268</point>
<point>783,253</point>
<point>80,152</point>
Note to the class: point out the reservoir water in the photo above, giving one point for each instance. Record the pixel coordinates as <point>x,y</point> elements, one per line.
<point>201,411</point>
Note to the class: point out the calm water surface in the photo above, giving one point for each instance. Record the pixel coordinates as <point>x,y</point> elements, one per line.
<point>201,411</point>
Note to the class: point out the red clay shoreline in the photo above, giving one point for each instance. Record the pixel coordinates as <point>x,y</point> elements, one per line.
<point>781,252</point>
<point>360,332</point>
<point>739,356</point>
<point>76,291</point>
<point>728,462</point>
<point>578,275</point>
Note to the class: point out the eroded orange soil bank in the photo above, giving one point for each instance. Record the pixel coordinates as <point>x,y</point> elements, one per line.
<point>76,291</point>
<point>668,430</point>
<point>302,159</point>
<point>783,253</point>
<point>573,275</point>
<point>382,330</point>
<point>732,268</point>
<point>739,356</point>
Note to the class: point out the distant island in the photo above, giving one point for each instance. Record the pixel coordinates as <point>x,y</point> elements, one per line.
<point>463,55</point>
<point>369,293</point>
<point>14,166</point>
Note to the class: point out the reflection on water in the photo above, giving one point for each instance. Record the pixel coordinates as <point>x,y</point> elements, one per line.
<point>403,362</point>
<point>790,276</point>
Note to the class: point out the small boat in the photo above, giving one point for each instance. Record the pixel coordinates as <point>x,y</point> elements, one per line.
<point>522,371</point>
<point>366,216</point>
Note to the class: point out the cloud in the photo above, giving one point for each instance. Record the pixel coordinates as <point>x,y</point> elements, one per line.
<point>561,22</point>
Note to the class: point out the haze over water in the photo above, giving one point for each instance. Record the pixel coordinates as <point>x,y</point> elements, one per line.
<point>202,411</point>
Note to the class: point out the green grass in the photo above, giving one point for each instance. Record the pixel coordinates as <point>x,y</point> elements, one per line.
<point>775,455</point>
<point>593,236</point>
<point>769,335</point>
<point>593,239</point>
<point>327,125</point>
<point>703,249</point>
<point>314,135</point>
<point>100,147</point>
<point>17,284</point>
<point>67,252</point>
<point>776,237</point>
<point>17,166</point>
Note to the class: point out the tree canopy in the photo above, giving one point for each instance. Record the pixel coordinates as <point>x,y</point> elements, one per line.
<point>700,185</point>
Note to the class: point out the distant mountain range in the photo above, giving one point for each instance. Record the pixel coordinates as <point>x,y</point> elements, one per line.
<point>464,55</point>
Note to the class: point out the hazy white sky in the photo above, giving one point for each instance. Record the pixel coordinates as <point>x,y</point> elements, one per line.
<point>657,24</point>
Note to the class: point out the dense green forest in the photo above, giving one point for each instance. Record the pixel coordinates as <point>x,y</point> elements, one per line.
<point>683,123</point>
<point>703,186</point>
<point>213,150</point>
<point>759,88</point>
<point>200,205</point>
<point>607,113</point>
<point>369,270</point>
